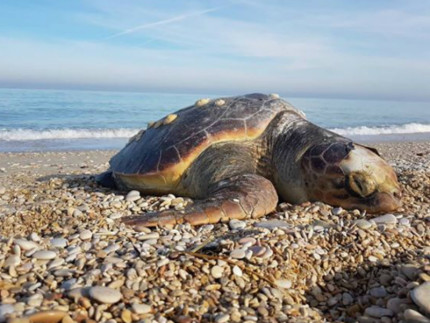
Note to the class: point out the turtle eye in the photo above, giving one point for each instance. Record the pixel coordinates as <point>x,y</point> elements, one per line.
<point>360,184</point>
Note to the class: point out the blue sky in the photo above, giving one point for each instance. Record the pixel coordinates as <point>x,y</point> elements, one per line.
<point>359,49</point>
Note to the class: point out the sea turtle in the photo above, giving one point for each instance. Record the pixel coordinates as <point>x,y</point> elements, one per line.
<point>236,155</point>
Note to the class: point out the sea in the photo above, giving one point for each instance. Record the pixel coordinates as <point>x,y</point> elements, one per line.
<point>56,120</point>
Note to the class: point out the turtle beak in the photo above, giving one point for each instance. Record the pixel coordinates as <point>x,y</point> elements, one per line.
<point>383,202</point>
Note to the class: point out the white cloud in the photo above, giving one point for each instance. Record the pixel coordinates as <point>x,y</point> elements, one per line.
<point>278,49</point>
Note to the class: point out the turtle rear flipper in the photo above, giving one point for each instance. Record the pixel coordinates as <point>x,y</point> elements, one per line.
<point>106,179</point>
<point>239,197</point>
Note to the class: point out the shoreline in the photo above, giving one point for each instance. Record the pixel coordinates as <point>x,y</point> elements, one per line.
<point>88,144</point>
<point>61,237</point>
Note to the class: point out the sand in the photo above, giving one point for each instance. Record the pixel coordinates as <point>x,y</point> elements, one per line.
<point>306,263</point>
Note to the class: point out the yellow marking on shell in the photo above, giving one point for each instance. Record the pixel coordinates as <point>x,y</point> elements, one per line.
<point>274,95</point>
<point>219,102</point>
<point>170,118</point>
<point>168,180</point>
<point>151,124</point>
<point>202,102</point>
<point>157,124</point>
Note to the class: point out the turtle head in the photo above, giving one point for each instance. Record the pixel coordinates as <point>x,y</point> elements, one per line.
<point>351,176</point>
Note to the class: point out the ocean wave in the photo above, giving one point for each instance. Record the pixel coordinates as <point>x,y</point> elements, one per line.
<point>386,130</point>
<point>29,134</point>
<point>50,134</point>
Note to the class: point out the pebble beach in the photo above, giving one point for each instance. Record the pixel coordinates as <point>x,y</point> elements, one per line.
<point>66,257</point>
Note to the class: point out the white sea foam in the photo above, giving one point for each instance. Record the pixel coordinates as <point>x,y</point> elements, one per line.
<point>400,129</point>
<point>49,134</point>
<point>28,134</point>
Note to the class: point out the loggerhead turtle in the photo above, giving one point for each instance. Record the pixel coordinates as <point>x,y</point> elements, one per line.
<point>236,155</point>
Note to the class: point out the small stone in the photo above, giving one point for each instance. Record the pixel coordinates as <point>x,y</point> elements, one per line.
<point>393,304</point>
<point>44,255</point>
<point>35,300</point>
<point>85,235</point>
<point>258,251</point>
<point>141,308</point>
<point>373,259</point>
<point>217,271</point>
<point>272,224</point>
<point>410,270</point>
<point>105,295</point>
<point>4,310</point>
<point>126,316</point>
<point>2,190</point>
<point>347,299</point>
<point>337,210</point>
<point>222,318</point>
<point>237,271</point>
<point>237,253</point>
<point>385,219</point>
<point>59,242</point>
<point>412,316</point>
<point>377,311</point>
<point>153,235</point>
<point>363,224</point>
<point>162,262</point>
<point>132,196</point>
<point>34,237</point>
<point>405,222</point>
<point>378,292</point>
<point>236,224</point>
<point>25,244</point>
<point>283,283</point>
<point>421,296</point>
<point>12,261</point>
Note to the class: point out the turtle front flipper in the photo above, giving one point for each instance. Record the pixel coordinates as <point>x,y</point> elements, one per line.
<point>238,197</point>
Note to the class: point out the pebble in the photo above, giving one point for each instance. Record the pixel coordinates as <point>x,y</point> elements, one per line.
<point>59,242</point>
<point>141,308</point>
<point>363,224</point>
<point>283,283</point>
<point>132,196</point>
<point>2,190</point>
<point>273,224</point>
<point>385,219</point>
<point>412,316</point>
<point>105,295</point>
<point>149,236</point>
<point>337,210</point>
<point>421,296</point>
<point>237,271</point>
<point>35,237</point>
<point>410,270</point>
<point>258,251</point>
<point>85,235</point>
<point>377,311</point>
<point>237,253</point>
<point>4,310</point>
<point>347,299</point>
<point>378,292</point>
<point>25,244</point>
<point>236,224</point>
<point>217,271</point>
<point>222,318</point>
<point>44,255</point>
<point>12,261</point>
<point>35,300</point>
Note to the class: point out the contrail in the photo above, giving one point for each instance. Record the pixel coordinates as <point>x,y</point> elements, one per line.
<point>163,22</point>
